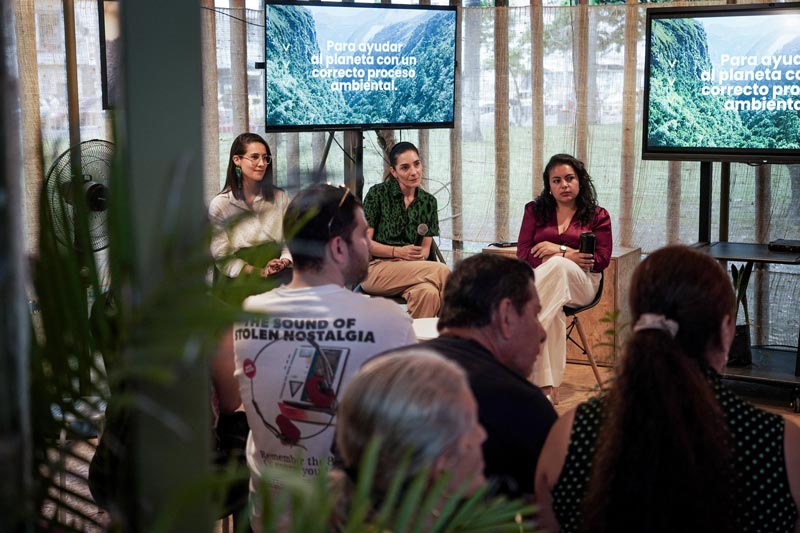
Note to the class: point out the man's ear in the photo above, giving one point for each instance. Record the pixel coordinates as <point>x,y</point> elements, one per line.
<point>503,318</point>
<point>440,466</point>
<point>337,250</point>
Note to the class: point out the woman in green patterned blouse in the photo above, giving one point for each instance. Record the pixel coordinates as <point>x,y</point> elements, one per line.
<point>403,219</point>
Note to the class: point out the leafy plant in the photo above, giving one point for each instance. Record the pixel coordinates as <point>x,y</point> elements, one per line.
<point>741,279</point>
<point>615,331</point>
<point>78,362</point>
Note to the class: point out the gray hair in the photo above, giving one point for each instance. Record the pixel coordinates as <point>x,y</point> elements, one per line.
<point>411,400</point>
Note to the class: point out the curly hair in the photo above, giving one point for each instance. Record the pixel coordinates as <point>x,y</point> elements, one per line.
<point>545,205</point>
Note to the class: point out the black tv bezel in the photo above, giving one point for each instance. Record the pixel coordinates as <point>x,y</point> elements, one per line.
<point>370,125</point>
<point>723,154</point>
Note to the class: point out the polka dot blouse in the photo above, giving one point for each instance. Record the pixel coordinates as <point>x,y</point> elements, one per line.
<point>764,501</point>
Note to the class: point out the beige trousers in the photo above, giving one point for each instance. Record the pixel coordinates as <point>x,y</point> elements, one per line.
<point>421,283</point>
<point>559,282</point>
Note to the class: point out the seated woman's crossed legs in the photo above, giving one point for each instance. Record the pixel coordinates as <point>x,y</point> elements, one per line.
<point>421,283</point>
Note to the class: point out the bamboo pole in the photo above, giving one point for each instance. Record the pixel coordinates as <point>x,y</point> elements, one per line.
<point>31,121</point>
<point>581,65</point>
<point>456,192</point>
<point>238,25</point>
<point>501,139</point>
<point>629,158</point>
<point>211,155</point>
<point>537,95</point>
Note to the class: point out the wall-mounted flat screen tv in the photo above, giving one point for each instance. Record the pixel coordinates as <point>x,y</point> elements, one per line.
<point>722,83</point>
<point>359,66</point>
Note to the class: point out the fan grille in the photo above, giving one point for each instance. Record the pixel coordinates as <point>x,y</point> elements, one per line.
<point>89,180</point>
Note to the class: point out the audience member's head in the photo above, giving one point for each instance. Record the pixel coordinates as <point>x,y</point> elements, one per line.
<point>682,305</point>
<point>693,290</point>
<point>317,216</point>
<point>496,293</point>
<point>421,408</point>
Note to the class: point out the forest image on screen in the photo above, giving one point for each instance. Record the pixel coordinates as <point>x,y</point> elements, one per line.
<point>334,65</point>
<point>725,82</point>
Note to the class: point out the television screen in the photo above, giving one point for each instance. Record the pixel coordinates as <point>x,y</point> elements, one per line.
<point>369,66</point>
<point>722,83</point>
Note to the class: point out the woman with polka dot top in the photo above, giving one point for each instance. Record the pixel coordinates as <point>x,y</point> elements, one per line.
<point>668,447</point>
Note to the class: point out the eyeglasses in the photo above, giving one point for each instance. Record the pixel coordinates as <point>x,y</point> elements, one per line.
<point>255,158</point>
<point>345,192</point>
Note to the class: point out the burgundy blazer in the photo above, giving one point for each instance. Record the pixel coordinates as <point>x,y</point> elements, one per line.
<point>535,231</point>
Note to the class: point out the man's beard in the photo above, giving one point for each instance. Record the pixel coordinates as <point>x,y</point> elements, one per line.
<point>356,272</point>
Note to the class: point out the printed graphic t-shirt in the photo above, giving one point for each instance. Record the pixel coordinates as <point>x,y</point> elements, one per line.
<point>293,363</point>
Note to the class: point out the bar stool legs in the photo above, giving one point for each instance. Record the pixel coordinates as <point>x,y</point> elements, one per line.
<point>584,346</point>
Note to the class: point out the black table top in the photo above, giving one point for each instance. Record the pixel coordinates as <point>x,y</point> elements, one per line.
<point>759,253</point>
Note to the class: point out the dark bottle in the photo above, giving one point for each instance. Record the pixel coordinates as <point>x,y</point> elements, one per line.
<point>587,242</point>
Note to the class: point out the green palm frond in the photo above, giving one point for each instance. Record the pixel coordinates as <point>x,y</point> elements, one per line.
<point>415,506</point>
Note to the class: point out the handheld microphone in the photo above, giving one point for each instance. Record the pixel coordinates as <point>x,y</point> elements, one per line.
<point>422,231</point>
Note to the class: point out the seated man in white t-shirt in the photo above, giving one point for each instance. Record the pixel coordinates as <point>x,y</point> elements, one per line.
<point>292,364</point>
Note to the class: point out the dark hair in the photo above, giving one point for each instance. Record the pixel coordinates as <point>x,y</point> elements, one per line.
<point>545,205</point>
<point>239,147</point>
<point>478,284</point>
<point>399,148</point>
<point>663,460</point>
<point>316,215</point>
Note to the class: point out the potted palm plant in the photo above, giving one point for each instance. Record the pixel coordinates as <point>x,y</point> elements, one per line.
<point>740,353</point>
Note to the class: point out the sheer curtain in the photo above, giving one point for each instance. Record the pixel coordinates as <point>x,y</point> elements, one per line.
<point>534,80</point>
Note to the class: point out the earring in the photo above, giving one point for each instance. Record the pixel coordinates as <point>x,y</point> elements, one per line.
<point>238,171</point>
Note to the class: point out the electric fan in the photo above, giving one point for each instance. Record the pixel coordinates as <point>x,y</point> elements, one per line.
<point>83,171</point>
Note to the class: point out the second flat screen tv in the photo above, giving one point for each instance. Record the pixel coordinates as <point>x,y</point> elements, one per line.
<point>359,66</point>
<point>722,83</point>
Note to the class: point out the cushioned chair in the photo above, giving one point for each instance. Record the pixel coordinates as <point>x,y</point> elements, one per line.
<point>576,324</point>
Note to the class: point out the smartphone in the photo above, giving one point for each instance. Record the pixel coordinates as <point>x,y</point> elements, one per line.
<point>503,244</point>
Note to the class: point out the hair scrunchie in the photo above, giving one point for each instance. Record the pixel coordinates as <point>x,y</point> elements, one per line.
<point>659,322</point>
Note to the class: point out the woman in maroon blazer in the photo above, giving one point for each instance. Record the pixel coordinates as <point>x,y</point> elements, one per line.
<point>549,241</point>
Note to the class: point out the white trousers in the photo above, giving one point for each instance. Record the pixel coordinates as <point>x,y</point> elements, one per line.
<point>559,282</point>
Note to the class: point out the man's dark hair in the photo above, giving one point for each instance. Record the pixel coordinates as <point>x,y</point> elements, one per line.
<point>315,216</point>
<point>478,284</point>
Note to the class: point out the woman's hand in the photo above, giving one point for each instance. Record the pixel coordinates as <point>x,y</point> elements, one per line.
<point>545,249</point>
<point>409,253</point>
<point>585,261</point>
<point>274,266</point>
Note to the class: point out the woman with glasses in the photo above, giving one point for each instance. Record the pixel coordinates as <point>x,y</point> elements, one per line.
<point>247,218</point>
<point>403,219</point>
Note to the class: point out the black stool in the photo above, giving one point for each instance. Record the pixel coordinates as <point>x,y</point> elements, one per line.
<point>584,345</point>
